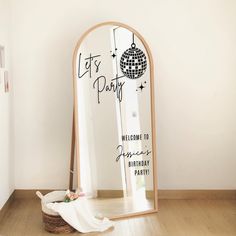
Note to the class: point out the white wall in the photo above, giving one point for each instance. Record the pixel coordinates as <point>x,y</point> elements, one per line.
<point>194,50</point>
<point>6,144</point>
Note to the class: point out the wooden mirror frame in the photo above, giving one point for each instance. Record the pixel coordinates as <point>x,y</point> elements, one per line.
<point>153,124</point>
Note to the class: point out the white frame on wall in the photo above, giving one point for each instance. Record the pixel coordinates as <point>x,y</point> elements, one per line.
<point>2,56</point>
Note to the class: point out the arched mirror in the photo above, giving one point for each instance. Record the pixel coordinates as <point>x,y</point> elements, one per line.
<point>115,121</point>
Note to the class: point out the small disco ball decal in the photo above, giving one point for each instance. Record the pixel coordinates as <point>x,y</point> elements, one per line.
<point>133,62</point>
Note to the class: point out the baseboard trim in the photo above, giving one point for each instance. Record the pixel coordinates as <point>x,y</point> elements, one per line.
<point>162,195</point>
<point>31,193</point>
<point>6,206</point>
<point>110,193</point>
<point>197,194</point>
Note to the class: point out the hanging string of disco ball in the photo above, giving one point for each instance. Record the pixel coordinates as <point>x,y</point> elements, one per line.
<point>133,62</point>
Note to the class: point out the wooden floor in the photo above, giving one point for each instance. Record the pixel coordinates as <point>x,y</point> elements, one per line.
<point>175,217</point>
<point>110,207</point>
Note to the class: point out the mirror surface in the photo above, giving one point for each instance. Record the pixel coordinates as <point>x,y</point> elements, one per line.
<point>114,121</point>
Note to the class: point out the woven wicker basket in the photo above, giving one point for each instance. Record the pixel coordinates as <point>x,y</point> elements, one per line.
<point>53,222</point>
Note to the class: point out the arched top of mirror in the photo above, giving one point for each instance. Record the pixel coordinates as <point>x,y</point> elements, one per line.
<point>113,24</point>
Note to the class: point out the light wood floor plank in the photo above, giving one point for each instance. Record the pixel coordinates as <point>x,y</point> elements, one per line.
<point>175,218</point>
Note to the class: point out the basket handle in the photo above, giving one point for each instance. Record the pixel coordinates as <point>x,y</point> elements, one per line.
<point>40,195</point>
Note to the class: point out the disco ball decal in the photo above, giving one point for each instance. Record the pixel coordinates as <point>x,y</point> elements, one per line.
<point>133,62</point>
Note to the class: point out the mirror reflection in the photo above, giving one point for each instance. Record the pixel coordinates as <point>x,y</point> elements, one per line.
<point>114,121</point>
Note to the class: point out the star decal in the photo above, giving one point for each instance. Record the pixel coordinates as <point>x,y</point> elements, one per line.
<point>141,87</point>
<point>113,54</point>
